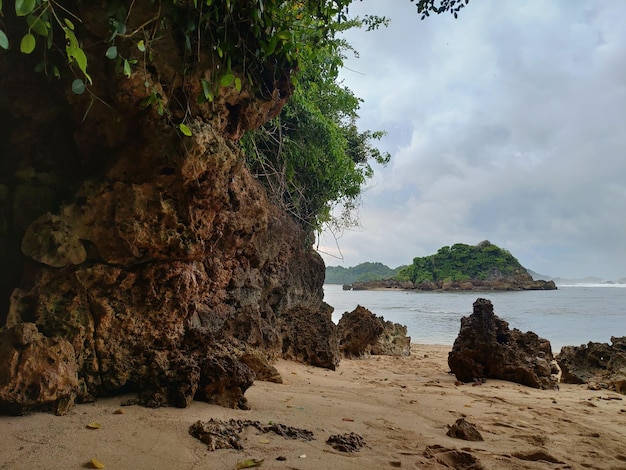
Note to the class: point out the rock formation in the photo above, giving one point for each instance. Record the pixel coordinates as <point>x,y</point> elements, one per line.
<point>393,341</point>
<point>358,330</point>
<point>515,283</point>
<point>465,430</point>
<point>600,365</point>
<point>487,348</point>
<point>361,332</point>
<point>137,258</point>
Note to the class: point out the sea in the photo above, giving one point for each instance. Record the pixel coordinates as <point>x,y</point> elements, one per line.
<point>572,315</point>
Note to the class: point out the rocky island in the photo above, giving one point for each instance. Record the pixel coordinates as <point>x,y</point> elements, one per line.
<point>461,267</point>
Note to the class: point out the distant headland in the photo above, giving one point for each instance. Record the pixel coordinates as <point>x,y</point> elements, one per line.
<point>459,267</point>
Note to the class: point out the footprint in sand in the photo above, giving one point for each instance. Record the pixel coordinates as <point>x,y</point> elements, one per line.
<point>539,455</point>
<point>452,458</point>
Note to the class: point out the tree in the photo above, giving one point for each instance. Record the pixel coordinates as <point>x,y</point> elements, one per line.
<point>462,262</point>
<point>312,158</point>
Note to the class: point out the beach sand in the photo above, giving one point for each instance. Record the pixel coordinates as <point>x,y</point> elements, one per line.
<point>400,406</point>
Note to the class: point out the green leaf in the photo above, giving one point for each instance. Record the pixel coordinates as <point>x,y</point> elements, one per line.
<point>227,79</point>
<point>24,7</point>
<point>148,100</point>
<point>185,130</point>
<point>78,86</point>
<point>27,44</point>
<point>284,35</point>
<point>127,70</point>
<point>37,25</point>
<point>141,46</point>
<point>69,24</point>
<point>111,52</point>
<point>81,60</point>
<point>205,88</point>
<point>238,84</point>
<point>75,53</point>
<point>271,47</point>
<point>4,40</point>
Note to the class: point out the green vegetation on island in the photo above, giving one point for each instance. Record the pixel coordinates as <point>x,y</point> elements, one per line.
<point>462,262</point>
<point>457,267</point>
<point>363,272</point>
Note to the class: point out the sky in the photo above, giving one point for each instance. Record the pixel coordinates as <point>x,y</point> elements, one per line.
<point>507,124</point>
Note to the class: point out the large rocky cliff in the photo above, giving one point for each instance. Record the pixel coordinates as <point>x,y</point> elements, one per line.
<point>137,258</point>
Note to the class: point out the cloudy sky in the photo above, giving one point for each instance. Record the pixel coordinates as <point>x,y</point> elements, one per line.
<point>507,124</point>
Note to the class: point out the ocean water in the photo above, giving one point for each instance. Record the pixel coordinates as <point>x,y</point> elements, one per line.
<point>569,316</point>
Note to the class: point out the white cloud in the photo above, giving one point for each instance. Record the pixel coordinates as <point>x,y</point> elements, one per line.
<point>506,124</point>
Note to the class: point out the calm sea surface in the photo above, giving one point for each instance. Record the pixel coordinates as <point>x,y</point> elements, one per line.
<point>571,315</point>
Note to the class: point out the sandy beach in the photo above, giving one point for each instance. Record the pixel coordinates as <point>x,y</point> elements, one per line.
<point>401,407</point>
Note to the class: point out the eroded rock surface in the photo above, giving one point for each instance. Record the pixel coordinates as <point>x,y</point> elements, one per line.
<point>359,330</point>
<point>36,371</point>
<point>600,365</point>
<point>362,332</point>
<point>487,348</point>
<point>462,429</point>
<point>151,261</point>
<point>393,341</point>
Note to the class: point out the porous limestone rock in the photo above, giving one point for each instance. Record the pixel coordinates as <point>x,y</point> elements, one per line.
<point>311,337</point>
<point>393,341</point>
<point>486,348</point>
<point>50,241</point>
<point>37,372</point>
<point>465,430</point>
<point>600,365</point>
<point>262,369</point>
<point>358,330</point>
<point>361,332</point>
<point>162,260</point>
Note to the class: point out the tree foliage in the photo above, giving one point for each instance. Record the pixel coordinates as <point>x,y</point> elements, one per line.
<point>462,262</point>
<point>362,272</point>
<point>312,157</point>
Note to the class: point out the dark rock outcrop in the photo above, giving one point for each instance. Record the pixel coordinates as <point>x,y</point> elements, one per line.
<point>358,330</point>
<point>310,336</point>
<point>349,442</point>
<point>600,365</point>
<point>462,429</point>
<point>361,332</point>
<point>36,371</point>
<point>487,348</point>
<point>513,283</point>
<point>135,258</point>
